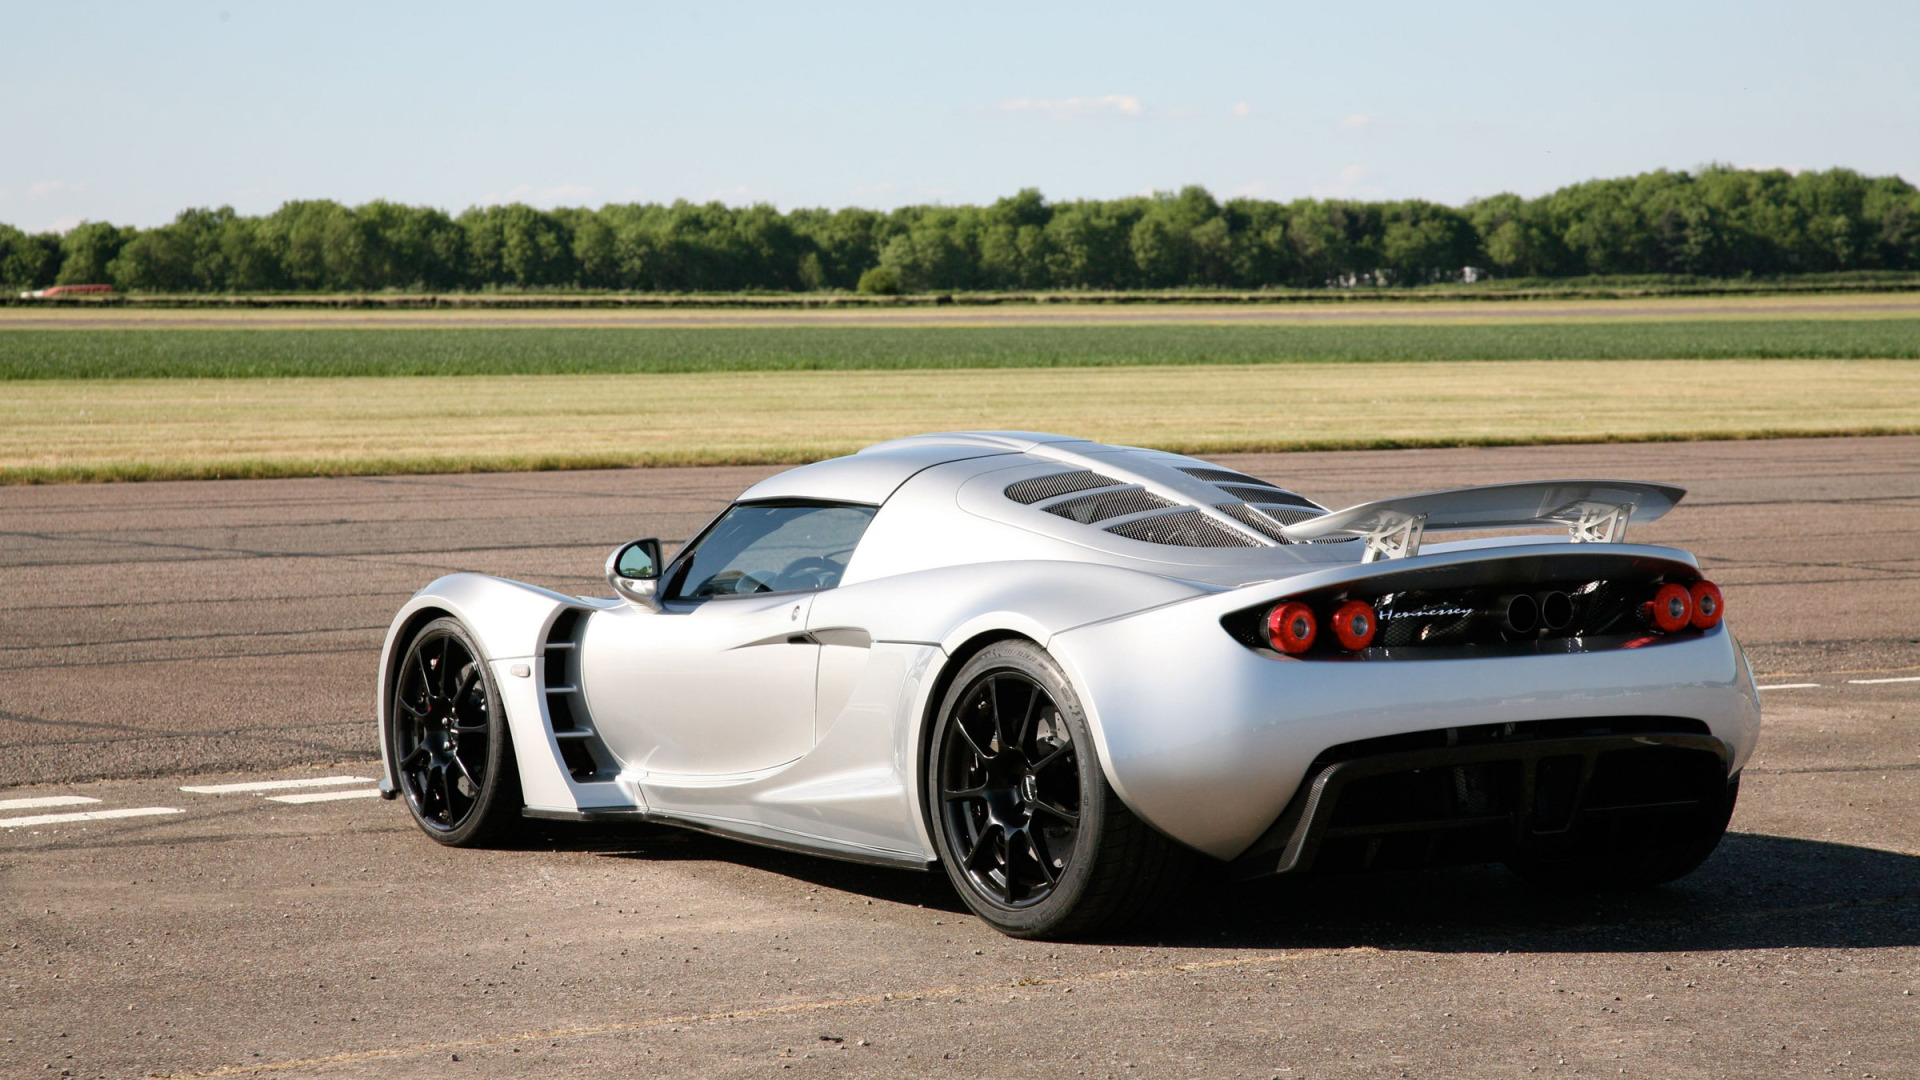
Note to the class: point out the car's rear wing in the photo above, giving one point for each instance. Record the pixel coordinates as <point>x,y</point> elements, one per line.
<point>1592,511</point>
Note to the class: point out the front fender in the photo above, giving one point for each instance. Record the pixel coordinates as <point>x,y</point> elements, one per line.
<point>509,621</point>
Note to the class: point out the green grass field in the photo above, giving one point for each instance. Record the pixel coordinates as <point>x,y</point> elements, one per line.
<point>537,350</point>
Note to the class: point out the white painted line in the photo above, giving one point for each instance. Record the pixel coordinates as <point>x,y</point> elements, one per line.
<point>85,815</point>
<point>277,785</point>
<point>326,796</point>
<point>45,800</point>
<point>1877,682</point>
<point>1790,686</point>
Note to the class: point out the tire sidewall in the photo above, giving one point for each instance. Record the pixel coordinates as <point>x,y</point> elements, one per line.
<point>501,785</point>
<point>1027,659</point>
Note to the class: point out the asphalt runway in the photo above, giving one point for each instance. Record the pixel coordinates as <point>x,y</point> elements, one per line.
<point>155,637</point>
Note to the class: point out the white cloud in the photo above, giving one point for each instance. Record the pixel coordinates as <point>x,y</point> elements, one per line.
<point>1359,120</point>
<point>1350,185</point>
<point>40,189</point>
<point>1077,107</point>
<point>1242,110</point>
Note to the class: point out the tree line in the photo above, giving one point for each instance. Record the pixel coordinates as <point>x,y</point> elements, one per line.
<point>1718,222</point>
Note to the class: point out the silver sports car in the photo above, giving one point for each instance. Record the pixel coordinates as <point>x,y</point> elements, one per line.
<point>1065,672</point>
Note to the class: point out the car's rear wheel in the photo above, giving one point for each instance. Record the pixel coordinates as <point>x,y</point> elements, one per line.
<point>447,738</point>
<point>1637,861</point>
<point>1029,831</point>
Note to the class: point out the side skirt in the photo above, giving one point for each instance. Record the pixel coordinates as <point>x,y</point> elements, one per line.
<point>864,856</point>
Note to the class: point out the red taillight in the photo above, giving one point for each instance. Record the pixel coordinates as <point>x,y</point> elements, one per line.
<point>1707,604</point>
<point>1672,608</point>
<point>1291,627</point>
<point>1354,624</point>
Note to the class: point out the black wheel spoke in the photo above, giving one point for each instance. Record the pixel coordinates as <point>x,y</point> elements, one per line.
<point>973,744</point>
<point>1040,858</point>
<point>982,846</point>
<point>1053,755</point>
<point>1026,722</point>
<point>999,723</point>
<point>1061,812</point>
<point>464,771</point>
<point>446,791</point>
<point>468,677</point>
<point>426,675</point>
<point>414,756</point>
<point>446,644</point>
<point>408,708</point>
<point>965,793</point>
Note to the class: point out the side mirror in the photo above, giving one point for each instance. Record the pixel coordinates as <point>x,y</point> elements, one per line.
<point>634,572</point>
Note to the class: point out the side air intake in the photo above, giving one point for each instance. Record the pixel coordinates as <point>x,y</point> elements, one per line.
<point>580,748</point>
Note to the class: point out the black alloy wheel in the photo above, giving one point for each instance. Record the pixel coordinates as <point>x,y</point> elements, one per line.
<point>1010,788</point>
<point>1029,832</point>
<point>448,740</point>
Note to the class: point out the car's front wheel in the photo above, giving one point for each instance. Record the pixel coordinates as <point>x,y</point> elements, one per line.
<point>1029,831</point>
<point>448,741</point>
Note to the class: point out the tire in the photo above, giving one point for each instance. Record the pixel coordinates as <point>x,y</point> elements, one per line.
<point>447,740</point>
<point>1642,866</point>
<point>1030,833</point>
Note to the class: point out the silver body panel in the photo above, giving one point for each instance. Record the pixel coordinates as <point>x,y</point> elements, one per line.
<point>797,718</point>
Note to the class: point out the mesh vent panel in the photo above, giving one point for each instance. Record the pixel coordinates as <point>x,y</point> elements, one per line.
<point>1265,494</point>
<point>1239,512</point>
<point>1186,528</point>
<point>1224,476</point>
<point>1047,487</point>
<point>1088,509</point>
<point>1287,515</point>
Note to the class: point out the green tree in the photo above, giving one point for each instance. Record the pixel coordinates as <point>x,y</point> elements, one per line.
<point>86,251</point>
<point>28,260</point>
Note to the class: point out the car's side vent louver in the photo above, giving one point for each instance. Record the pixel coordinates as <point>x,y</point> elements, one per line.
<point>1225,476</point>
<point>1184,528</point>
<point>1245,515</point>
<point>1103,505</point>
<point>1249,488</point>
<point>580,747</point>
<point>1266,495</point>
<point>1054,485</point>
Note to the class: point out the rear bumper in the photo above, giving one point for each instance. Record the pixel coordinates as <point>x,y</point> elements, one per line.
<point>1519,790</point>
<point>1210,742</point>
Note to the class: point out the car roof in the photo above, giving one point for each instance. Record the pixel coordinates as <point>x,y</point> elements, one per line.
<point>1063,485</point>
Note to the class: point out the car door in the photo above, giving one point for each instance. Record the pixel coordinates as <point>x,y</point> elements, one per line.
<point>720,681</point>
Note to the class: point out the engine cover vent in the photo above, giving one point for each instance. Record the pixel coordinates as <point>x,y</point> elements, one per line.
<point>1266,495</point>
<point>1184,528</point>
<point>1056,484</point>
<point>1225,476</point>
<point>1244,515</point>
<point>1101,506</point>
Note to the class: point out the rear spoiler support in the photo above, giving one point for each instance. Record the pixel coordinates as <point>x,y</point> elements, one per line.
<point>1592,512</point>
<point>1398,538</point>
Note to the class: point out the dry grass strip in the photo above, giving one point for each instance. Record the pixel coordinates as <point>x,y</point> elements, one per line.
<point>187,428</point>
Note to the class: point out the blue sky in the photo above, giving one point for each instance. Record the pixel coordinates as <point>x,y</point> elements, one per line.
<point>129,112</point>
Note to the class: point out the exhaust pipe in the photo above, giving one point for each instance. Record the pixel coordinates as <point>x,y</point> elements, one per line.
<point>1519,613</point>
<point>1556,610</point>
